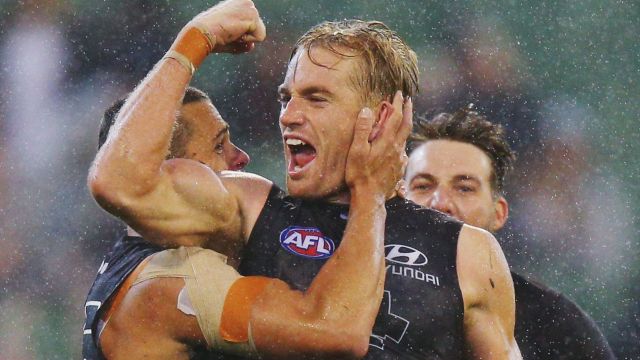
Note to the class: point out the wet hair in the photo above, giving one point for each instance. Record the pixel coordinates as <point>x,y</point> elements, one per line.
<point>387,64</point>
<point>182,130</point>
<point>467,126</point>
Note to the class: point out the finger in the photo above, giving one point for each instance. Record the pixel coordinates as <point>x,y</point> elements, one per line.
<point>396,116</point>
<point>362,130</point>
<point>257,32</point>
<point>405,162</point>
<point>237,47</point>
<point>378,128</point>
<point>391,120</point>
<point>261,31</point>
<point>407,120</point>
<point>240,47</point>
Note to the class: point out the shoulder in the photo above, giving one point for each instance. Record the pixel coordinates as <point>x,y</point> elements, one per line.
<point>186,171</point>
<point>252,192</point>
<point>474,242</point>
<point>241,177</point>
<point>181,169</point>
<point>246,185</point>
<point>482,267</point>
<point>532,292</point>
<point>529,288</point>
<point>543,312</point>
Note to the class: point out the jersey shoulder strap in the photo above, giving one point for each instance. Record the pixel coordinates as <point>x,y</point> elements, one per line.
<point>278,211</point>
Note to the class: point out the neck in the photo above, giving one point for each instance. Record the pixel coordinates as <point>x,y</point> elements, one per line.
<point>344,198</point>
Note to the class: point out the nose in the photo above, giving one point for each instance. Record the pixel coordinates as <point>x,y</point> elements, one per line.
<point>291,114</point>
<point>441,201</point>
<point>239,160</point>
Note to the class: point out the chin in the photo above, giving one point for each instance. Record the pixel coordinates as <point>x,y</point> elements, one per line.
<point>305,189</point>
<point>301,189</point>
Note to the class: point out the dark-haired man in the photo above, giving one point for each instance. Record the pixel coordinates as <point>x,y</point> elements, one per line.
<point>449,287</point>
<point>458,165</point>
<point>174,304</point>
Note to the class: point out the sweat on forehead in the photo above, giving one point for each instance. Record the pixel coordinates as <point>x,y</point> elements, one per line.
<point>386,63</point>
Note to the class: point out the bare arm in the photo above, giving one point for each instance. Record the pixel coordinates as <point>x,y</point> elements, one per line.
<point>336,314</point>
<point>332,319</point>
<point>176,202</point>
<point>148,324</point>
<point>487,291</point>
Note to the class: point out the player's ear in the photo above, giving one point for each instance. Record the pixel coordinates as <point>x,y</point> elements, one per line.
<point>385,109</point>
<point>501,213</point>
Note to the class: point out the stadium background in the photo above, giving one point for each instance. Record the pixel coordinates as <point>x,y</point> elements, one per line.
<point>564,77</point>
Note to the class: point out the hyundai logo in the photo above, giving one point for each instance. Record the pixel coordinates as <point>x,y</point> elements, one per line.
<point>405,255</point>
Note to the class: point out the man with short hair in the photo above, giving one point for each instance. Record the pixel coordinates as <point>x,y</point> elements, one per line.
<point>456,298</point>
<point>146,302</point>
<point>458,165</point>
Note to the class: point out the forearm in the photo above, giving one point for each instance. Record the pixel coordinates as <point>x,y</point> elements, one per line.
<point>335,316</point>
<point>131,158</point>
<point>349,285</point>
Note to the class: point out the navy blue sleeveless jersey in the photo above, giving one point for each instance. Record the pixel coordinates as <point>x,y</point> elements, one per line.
<point>123,258</point>
<point>421,316</point>
<point>550,326</point>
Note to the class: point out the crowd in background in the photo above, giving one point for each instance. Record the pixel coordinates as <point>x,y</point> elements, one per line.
<point>564,82</point>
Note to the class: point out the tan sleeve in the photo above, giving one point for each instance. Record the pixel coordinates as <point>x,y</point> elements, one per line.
<point>208,279</point>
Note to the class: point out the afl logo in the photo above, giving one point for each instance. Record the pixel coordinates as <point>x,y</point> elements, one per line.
<point>404,255</point>
<point>306,242</point>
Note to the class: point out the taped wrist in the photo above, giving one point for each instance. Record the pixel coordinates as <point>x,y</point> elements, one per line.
<point>192,46</point>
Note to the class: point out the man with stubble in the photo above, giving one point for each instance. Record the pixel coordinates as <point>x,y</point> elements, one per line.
<point>458,300</point>
<point>458,165</point>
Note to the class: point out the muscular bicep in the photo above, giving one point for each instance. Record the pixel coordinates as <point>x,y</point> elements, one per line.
<point>488,296</point>
<point>188,206</point>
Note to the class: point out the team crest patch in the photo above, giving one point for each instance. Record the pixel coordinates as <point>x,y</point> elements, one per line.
<point>306,242</point>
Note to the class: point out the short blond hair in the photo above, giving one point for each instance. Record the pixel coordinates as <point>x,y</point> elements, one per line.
<point>387,64</point>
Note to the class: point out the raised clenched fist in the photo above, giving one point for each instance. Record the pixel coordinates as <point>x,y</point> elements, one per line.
<point>236,25</point>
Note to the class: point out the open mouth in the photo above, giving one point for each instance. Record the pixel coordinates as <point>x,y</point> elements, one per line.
<point>302,154</point>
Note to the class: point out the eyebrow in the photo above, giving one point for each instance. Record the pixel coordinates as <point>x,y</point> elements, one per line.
<point>424,176</point>
<point>457,178</point>
<point>222,131</point>
<point>309,90</point>
<point>465,177</point>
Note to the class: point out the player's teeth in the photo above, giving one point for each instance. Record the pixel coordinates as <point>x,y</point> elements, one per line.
<point>295,142</point>
<point>297,168</point>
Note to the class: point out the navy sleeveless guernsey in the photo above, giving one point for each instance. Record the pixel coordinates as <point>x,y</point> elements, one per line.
<point>124,257</point>
<point>551,326</point>
<point>127,253</point>
<point>421,316</point>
